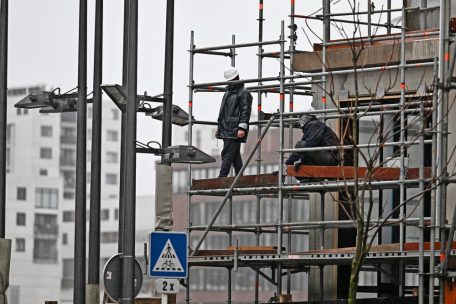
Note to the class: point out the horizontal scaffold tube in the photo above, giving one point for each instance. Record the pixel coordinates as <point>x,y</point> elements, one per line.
<point>234,46</point>
<point>316,74</point>
<point>312,225</point>
<point>359,146</point>
<point>368,12</point>
<point>316,187</point>
<point>348,21</point>
<point>359,108</point>
<point>384,38</point>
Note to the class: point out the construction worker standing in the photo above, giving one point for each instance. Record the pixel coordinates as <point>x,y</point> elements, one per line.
<point>233,122</point>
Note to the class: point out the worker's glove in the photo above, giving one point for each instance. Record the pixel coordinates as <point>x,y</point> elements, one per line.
<point>297,164</point>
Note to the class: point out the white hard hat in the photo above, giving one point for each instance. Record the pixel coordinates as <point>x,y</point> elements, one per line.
<point>230,73</point>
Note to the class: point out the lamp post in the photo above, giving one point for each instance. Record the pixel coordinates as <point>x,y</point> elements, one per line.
<point>128,257</point>
<point>93,283</point>
<point>81,164</point>
<point>168,77</point>
<point>3,101</point>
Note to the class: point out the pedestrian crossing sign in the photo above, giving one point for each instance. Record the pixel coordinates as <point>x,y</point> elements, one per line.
<point>168,255</point>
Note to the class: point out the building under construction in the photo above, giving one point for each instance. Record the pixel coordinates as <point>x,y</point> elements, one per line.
<point>389,98</point>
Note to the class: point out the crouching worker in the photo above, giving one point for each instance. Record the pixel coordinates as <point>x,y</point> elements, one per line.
<point>314,134</point>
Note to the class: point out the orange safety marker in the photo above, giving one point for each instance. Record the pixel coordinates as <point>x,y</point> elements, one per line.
<point>261,6</point>
<point>402,86</point>
<point>259,107</point>
<point>292,2</point>
<point>447,56</point>
<point>282,97</point>
<point>190,104</point>
<point>323,99</point>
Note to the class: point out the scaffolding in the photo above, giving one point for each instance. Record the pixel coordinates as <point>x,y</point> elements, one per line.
<point>406,105</point>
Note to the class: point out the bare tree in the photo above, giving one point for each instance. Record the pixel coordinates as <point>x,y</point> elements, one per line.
<point>358,201</point>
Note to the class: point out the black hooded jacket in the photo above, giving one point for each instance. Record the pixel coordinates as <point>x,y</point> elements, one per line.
<point>234,113</point>
<point>315,134</point>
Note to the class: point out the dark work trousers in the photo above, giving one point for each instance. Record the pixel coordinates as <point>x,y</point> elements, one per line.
<point>231,155</point>
<point>318,158</point>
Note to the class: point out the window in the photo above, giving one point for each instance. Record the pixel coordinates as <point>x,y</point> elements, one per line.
<point>25,111</point>
<point>14,292</point>
<point>112,135</point>
<point>69,179</point>
<point>46,131</point>
<point>116,214</point>
<point>20,219</point>
<point>67,157</point>
<point>45,153</point>
<point>68,135</point>
<point>17,91</point>
<point>46,198</point>
<point>108,237</point>
<point>68,117</point>
<point>111,157</point>
<point>45,250</point>
<point>104,215</point>
<point>46,225</point>
<point>20,245</point>
<point>68,195</point>
<point>18,111</point>
<point>89,112</point>
<point>21,193</point>
<point>115,114</point>
<point>65,239</point>
<point>111,179</point>
<point>68,216</point>
<point>43,172</point>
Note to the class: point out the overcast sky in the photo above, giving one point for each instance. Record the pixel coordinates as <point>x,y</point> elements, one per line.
<point>43,37</point>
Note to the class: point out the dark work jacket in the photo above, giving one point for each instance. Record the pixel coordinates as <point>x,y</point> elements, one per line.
<point>315,134</point>
<point>234,113</point>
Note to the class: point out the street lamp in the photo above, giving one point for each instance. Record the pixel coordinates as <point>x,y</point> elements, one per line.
<point>179,116</point>
<point>180,154</point>
<point>37,100</point>
<point>51,101</point>
<point>117,94</point>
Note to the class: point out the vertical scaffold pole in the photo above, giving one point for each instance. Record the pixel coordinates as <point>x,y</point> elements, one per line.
<point>402,190</point>
<point>388,17</point>
<point>369,19</point>
<point>326,37</point>
<point>322,242</point>
<point>230,210</point>
<point>290,133</point>
<point>81,163</point>
<point>3,102</point>
<point>189,171</point>
<point>442,134</point>
<point>281,147</point>
<point>421,189</point>
<point>433,193</point>
<point>258,160</point>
